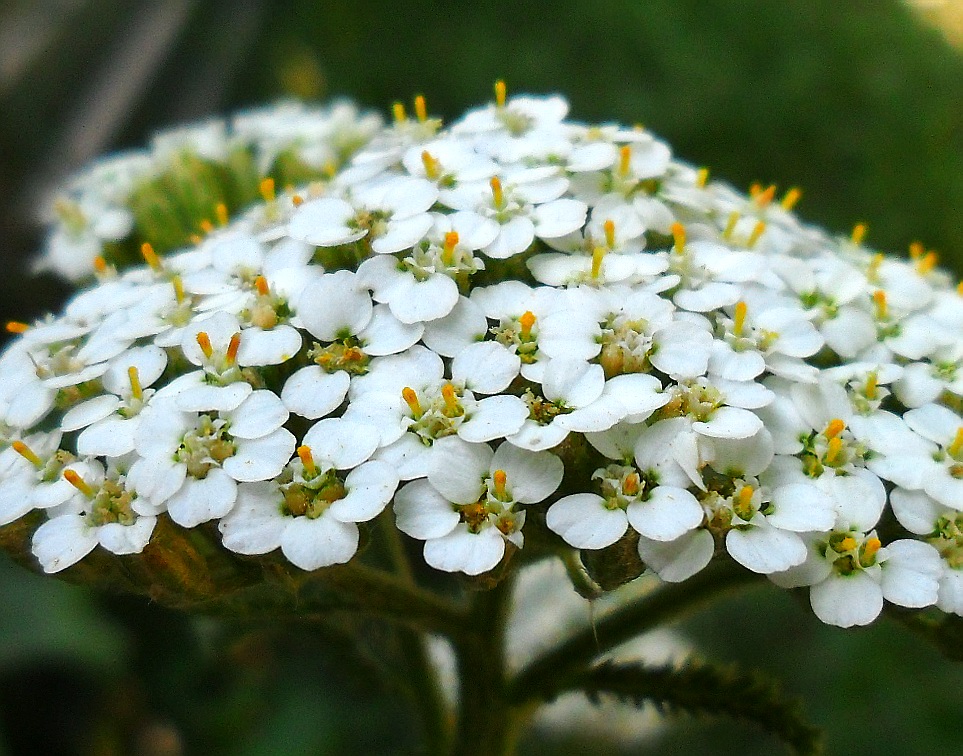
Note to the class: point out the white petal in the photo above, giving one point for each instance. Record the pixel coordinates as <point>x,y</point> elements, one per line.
<point>370,487</point>
<point>201,500</point>
<point>801,508</point>
<point>513,238</point>
<point>205,398</point>
<point>667,514</point>
<point>260,458</point>
<point>385,334</point>
<point>334,305</point>
<point>729,422</point>
<point>111,437</point>
<point>845,601</point>
<point>678,560</point>
<point>559,217</point>
<point>486,367</point>
<point>531,476</point>
<point>313,393</point>
<point>911,573</point>
<point>535,437</point>
<point>574,382</point>
<point>458,469</point>
<point>259,347</point>
<point>310,544</point>
<point>464,551</point>
<point>402,234</point>
<point>323,222</point>
<point>341,443</point>
<point>89,412</point>
<point>420,301</point>
<point>126,539</point>
<point>464,325</point>
<point>494,417</point>
<point>255,524</point>
<point>63,541</point>
<point>583,521</point>
<point>258,415</point>
<point>765,549</point>
<point>423,513</point>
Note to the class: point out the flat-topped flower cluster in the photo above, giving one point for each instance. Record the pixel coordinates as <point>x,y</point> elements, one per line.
<point>516,322</point>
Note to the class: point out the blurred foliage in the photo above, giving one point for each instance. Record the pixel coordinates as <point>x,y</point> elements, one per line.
<point>852,101</point>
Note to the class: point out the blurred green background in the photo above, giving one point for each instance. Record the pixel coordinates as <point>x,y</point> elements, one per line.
<point>855,101</point>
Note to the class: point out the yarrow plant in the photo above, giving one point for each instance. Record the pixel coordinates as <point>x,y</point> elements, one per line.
<point>307,347</point>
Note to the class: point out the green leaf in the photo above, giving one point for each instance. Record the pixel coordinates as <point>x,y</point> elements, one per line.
<point>701,688</point>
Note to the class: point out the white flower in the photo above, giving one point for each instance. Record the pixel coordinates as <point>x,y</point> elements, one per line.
<point>467,508</point>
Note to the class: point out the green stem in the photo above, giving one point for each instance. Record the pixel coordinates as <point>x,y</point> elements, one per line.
<point>422,682</point>
<point>487,725</point>
<point>554,670</point>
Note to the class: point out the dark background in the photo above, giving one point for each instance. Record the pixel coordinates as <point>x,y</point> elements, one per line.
<point>854,101</point>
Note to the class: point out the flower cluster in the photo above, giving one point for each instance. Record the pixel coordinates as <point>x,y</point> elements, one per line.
<point>514,324</point>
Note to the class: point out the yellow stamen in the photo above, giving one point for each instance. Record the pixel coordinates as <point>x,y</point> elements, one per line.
<point>398,110</point>
<point>79,483</point>
<point>150,256</point>
<point>500,93</point>
<point>625,160</point>
<point>754,188</point>
<point>27,453</point>
<point>745,497</point>
<point>702,177</point>
<point>498,193</point>
<point>100,265</point>
<point>297,200</point>
<point>834,428</point>
<point>959,288</point>
<point>739,321</point>
<point>411,399</point>
<point>178,285</point>
<point>499,478</point>
<point>206,226</point>
<point>232,348</point>
<point>872,271</point>
<point>927,262</point>
<point>307,459</point>
<point>956,447</point>
<point>526,321</point>
<point>731,224</point>
<point>791,198</point>
<point>204,342</point>
<point>266,188</point>
<point>869,550</point>
<point>859,233</point>
<point>135,388</point>
<point>421,110</point>
<point>448,252</point>
<point>452,406</point>
<point>597,256</point>
<point>846,544</point>
<point>916,250</point>
<point>220,212</point>
<point>195,238</point>
<point>432,165</point>
<point>834,450</point>
<point>756,233</point>
<point>15,326</point>
<point>631,484</point>
<point>261,284</point>
<point>763,198</point>
<point>609,228</point>
<point>678,235</point>
<point>879,299</point>
<point>871,389</point>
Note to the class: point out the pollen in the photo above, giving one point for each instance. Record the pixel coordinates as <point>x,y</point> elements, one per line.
<point>764,197</point>
<point>307,459</point>
<point>868,552</point>
<point>100,265</point>
<point>133,376</point>
<point>448,251</point>
<point>452,406</point>
<point>631,485</point>
<point>834,428</point>
<point>206,226</point>
<point>731,224</point>
<point>297,200</point>
<point>625,160</point>
<point>916,250</point>
<point>872,271</point>
<point>609,228</point>
<point>266,189</point>
<point>204,342</point>
<point>597,256</point>
<point>74,479</point>
<point>411,399</point>
<point>220,212</point>
<point>739,321</point>
<point>791,198</point>
<point>500,479</point>
<point>261,284</point>
<point>956,447</point>
<point>500,93</point>
<point>927,263</point>
<point>756,233</point>
<point>526,321</point>
<point>498,194</point>
<point>398,111</point>
<point>848,543</point>
<point>879,300</point>
<point>743,502</point>
<point>702,176</point>
<point>432,165</point>
<point>150,256</point>
<point>232,348</point>
<point>421,109</point>
<point>834,452</point>
<point>678,235</point>
<point>15,326</point>
<point>27,453</point>
<point>859,233</point>
<point>178,285</point>
<point>871,388</point>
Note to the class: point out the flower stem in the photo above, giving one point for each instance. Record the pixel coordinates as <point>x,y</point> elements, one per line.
<point>551,671</point>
